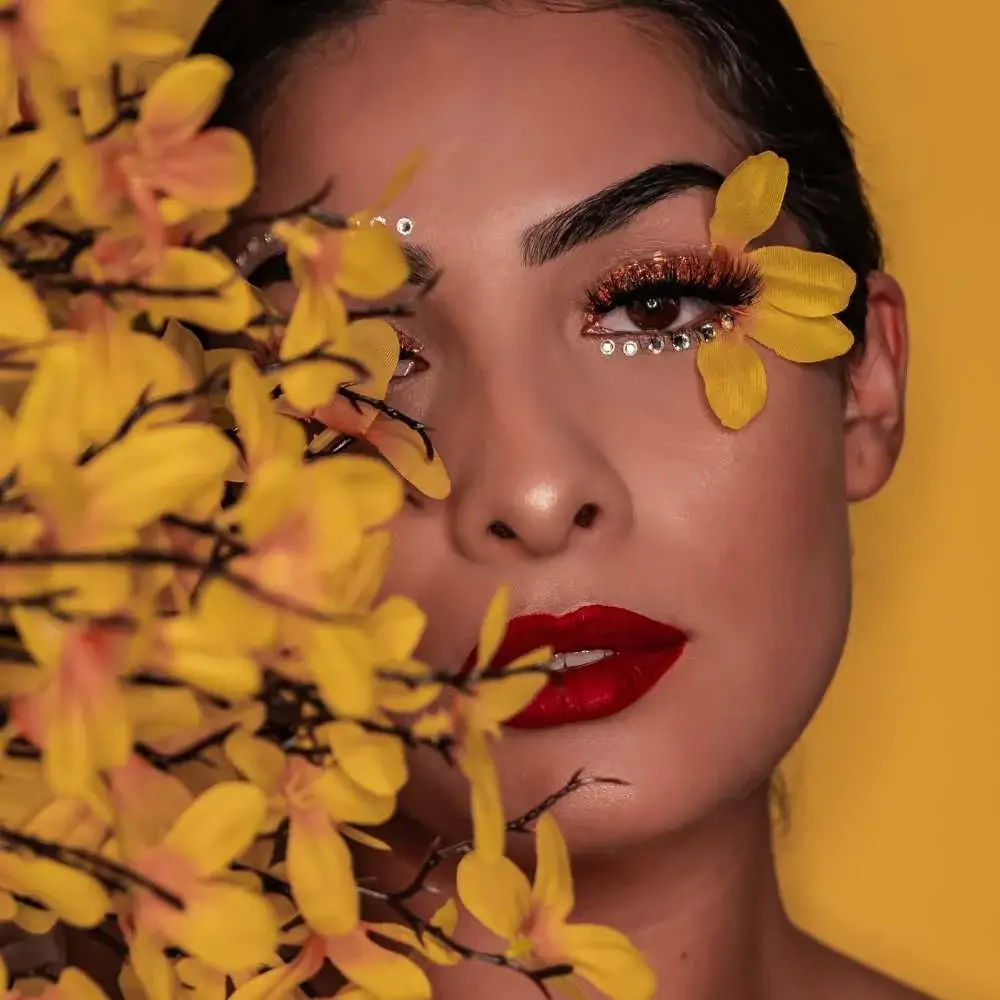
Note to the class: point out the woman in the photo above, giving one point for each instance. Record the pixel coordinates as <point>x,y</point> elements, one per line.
<point>574,153</point>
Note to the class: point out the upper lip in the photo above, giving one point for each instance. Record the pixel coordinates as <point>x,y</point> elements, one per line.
<point>592,627</point>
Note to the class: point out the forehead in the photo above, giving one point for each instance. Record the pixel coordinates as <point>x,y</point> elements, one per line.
<point>518,112</point>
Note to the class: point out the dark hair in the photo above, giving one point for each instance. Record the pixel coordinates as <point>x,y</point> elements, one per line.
<point>750,51</point>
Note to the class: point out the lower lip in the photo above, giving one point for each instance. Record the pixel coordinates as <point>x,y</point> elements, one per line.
<point>598,690</point>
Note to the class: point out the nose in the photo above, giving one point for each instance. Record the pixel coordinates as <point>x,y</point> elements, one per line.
<point>533,483</point>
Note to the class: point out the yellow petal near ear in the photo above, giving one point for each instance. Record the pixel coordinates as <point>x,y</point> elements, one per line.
<point>798,338</point>
<point>749,201</point>
<point>735,382</point>
<point>804,283</point>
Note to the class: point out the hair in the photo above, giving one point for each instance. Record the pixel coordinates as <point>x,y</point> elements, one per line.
<point>750,52</point>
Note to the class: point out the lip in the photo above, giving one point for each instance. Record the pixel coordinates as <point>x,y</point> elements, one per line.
<point>644,650</point>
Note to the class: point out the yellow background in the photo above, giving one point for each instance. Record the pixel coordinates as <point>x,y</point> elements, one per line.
<point>894,849</point>
<point>893,853</point>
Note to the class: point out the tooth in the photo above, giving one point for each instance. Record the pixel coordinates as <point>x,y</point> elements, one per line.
<point>584,657</point>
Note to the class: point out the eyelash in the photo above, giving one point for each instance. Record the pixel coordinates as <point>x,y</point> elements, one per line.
<point>726,285</point>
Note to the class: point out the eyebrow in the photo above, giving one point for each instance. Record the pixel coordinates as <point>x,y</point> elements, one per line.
<point>613,208</point>
<point>610,209</point>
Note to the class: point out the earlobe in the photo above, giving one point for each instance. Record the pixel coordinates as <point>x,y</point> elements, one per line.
<point>876,390</point>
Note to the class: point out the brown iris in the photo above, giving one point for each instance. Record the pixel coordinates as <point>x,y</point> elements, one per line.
<point>654,313</point>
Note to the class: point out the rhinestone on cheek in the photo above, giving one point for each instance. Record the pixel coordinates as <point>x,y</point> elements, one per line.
<point>707,332</point>
<point>680,341</point>
<point>728,322</point>
<point>655,345</point>
<point>630,348</point>
<point>404,226</point>
<point>607,347</point>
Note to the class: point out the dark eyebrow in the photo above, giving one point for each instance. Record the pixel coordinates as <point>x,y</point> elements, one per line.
<point>612,208</point>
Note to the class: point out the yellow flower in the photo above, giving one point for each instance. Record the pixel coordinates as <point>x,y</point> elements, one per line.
<point>795,313</point>
<point>373,972</point>
<point>105,504</point>
<point>445,919</point>
<point>363,260</point>
<point>218,922</point>
<point>321,804</point>
<point>63,45</point>
<point>167,168</point>
<point>533,919</point>
<point>474,713</point>
<point>375,345</point>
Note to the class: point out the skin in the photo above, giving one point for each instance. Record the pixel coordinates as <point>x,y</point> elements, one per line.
<point>740,539</point>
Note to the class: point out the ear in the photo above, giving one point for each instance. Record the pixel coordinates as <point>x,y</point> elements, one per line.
<point>876,377</point>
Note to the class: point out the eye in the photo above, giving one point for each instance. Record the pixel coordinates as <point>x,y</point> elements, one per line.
<point>410,361</point>
<point>649,312</point>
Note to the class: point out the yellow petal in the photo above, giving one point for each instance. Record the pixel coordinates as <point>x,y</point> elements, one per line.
<point>261,762</point>
<point>404,449</point>
<point>492,630</point>
<point>82,47</point>
<point>73,896</point>
<point>227,304</point>
<point>375,491</point>
<point>23,320</point>
<point>397,624</point>
<point>219,825</point>
<point>398,183</point>
<point>797,338</point>
<point>804,283</point>
<point>151,473</point>
<point>68,762</point>
<point>76,985</point>
<point>365,839</point>
<point>495,892</point>
<point>735,381</point>
<point>502,698</point>
<point>181,100</point>
<point>488,824</point>
<point>322,877</point>
<point>372,264</point>
<point>340,661</point>
<point>374,344</point>
<point>31,920</point>
<point>345,801</point>
<point>379,972</point>
<point>553,887</point>
<point>151,967</point>
<point>372,760</point>
<point>227,926</point>
<point>157,713</point>
<point>608,960</point>
<point>749,201</point>
<point>262,431</point>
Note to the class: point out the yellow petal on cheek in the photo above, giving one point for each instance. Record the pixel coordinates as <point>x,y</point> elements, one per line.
<point>181,100</point>
<point>404,449</point>
<point>802,282</point>
<point>372,263</point>
<point>749,201</point>
<point>493,627</point>
<point>796,338</point>
<point>322,876</point>
<point>735,381</point>
<point>495,892</point>
<point>488,824</point>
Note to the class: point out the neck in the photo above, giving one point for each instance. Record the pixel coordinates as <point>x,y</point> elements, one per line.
<point>702,904</point>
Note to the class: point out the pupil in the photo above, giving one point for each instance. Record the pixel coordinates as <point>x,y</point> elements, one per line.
<point>654,313</point>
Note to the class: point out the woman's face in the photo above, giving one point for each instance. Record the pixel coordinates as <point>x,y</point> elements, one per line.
<point>740,539</point>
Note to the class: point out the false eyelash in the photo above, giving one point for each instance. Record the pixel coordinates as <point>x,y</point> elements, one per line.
<point>723,280</point>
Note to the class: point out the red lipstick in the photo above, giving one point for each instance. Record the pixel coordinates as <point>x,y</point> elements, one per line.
<point>642,651</point>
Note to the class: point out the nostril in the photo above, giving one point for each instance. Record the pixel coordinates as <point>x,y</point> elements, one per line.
<point>500,530</point>
<point>586,516</point>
